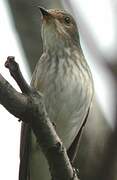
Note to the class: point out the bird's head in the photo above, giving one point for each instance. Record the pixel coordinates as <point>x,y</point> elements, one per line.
<point>58,28</point>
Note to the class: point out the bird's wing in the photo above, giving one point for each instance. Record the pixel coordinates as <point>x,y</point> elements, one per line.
<point>24,151</point>
<point>73,149</point>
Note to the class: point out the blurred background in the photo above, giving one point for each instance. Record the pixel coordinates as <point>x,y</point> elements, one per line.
<point>20,26</point>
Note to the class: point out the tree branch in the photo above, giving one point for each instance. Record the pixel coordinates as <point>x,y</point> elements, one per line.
<point>30,108</point>
<point>17,75</point>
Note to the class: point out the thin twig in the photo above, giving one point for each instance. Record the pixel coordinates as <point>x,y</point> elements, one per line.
<point>17,75</point>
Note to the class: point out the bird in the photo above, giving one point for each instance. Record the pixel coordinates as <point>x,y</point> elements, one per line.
<point>63,76</point>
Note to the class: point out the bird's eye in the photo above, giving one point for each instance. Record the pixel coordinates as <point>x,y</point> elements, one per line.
<point>67,20</point>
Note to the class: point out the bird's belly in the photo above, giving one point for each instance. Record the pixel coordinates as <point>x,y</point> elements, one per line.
<point>66,106</point>
<point>64,109</point>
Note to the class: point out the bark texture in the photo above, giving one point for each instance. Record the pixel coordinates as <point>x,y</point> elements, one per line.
<point>29,107</point>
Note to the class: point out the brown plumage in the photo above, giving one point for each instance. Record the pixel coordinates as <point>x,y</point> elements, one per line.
<point>64,78</point>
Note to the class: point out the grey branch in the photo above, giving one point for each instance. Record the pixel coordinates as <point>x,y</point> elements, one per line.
<point>29,107</point>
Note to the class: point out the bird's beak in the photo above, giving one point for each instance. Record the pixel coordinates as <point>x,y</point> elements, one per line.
<point>44,12</point>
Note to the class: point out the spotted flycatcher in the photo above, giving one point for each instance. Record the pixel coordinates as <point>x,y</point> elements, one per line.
<point>63,76</point>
